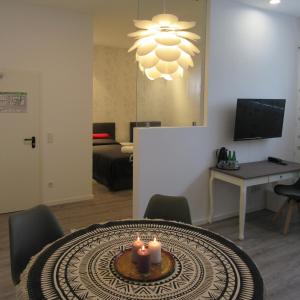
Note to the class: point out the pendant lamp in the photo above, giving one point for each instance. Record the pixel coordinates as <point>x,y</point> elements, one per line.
<point>164,48</point>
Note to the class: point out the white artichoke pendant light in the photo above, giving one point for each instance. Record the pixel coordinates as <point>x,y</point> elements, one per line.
<point>163,49</point>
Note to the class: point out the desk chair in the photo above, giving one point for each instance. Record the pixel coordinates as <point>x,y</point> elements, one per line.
<point>168,208</point>
<point>29,232</point>
<point>293,193</point>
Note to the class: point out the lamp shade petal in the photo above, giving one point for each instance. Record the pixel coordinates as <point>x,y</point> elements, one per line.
<point>143,41</point>
<point>167,39</point>
<point>164,19</point>
<point>141,68</point>
<point>146,48</point>
<point>148,61</point>
<point>186,49</point>
<point>141,33</point>
<point>135,45</point>
<point>152,73</point>
<point>185,60</point>
<point>167,67</point>
<point>167,53</point>
<point>189,35</point>
<point>167,77</point>
<point>189,45</point>
<point>145,24</point>
<point>178,73</point>
<point>184,25</point>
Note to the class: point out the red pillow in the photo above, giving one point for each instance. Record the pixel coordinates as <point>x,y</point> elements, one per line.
<point>101,135</point>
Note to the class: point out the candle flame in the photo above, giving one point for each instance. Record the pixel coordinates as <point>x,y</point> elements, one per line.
<point>138,238</point>
<point>143,248</point>
<point>154,239</point>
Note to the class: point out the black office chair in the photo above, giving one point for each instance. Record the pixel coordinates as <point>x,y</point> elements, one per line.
<point>293,193</point>
<point>29,232</point>
<point>168,208</point>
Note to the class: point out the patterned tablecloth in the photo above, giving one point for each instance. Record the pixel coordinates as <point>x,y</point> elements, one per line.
<point>81,265</point>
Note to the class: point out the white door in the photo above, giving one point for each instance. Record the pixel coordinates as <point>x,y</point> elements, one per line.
<point>19,159</point>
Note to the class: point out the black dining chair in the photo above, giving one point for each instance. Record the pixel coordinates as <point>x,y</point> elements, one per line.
<point>171,208</point>
<point>292,192</point>
<point>29,232</point>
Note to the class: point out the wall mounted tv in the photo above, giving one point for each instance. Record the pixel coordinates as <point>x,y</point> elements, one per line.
<point>258,119</point>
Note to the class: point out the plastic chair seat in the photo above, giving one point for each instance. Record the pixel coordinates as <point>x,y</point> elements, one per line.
<point>290,191</point>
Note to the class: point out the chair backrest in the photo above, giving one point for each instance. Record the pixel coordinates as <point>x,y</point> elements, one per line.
<point>29,232</point>
<point>168,208</point>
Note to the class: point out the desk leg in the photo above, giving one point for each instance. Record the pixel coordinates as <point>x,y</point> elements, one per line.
<point>243,202</point>
<point>211,199</point>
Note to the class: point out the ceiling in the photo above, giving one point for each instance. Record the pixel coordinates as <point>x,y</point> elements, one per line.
<point>289,7</point>
<point>113,18</point>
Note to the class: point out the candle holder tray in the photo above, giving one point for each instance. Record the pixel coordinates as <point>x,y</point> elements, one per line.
<point>125,267</point>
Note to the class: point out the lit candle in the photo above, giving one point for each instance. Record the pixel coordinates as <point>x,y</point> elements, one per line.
<point>155,251</point>
<point>135,247</point>
<point>143,262</point>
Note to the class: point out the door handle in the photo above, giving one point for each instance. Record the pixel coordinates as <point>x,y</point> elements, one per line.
<point>32,140</point>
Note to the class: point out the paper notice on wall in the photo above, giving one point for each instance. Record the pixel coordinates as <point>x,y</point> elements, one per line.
<point>13,102</point>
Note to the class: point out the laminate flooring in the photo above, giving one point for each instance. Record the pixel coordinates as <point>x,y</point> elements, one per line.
<point>105,206</point>
<point>277,256</point>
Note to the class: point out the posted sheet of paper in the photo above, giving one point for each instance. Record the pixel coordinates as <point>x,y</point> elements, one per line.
<point>13,102</point>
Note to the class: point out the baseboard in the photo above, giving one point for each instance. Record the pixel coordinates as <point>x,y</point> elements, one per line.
<point>69,200</point>
<point>200,222</point>
<point>223,216</point>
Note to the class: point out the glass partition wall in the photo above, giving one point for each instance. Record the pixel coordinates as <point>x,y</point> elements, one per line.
<point>122,93</point>
<point>181,101</point>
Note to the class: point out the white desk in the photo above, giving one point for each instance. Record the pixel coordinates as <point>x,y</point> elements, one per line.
<point>250,174</point>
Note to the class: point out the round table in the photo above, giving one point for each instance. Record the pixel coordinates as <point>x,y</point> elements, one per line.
<point>81,265</point>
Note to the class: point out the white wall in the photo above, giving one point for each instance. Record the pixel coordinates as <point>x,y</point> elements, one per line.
<point>252,54</point>
<point>58,44</point>
<point>297,137</point>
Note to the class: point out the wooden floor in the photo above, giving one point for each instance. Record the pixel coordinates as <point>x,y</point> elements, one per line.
<point>277,256</point>
<point>105,206</point>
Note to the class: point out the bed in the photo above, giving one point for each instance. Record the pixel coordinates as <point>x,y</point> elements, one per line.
<point>111,167</point>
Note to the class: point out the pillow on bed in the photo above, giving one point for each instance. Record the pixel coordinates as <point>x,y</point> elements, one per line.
<point>101,135</point>
<point>99,142</point>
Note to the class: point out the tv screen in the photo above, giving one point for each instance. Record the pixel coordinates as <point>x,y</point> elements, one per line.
<point>258,119</point>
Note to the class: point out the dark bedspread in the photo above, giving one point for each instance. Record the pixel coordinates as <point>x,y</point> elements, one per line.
<point>111,167</point>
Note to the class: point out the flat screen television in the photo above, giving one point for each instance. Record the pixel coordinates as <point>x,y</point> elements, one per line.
<point>258,119</point>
